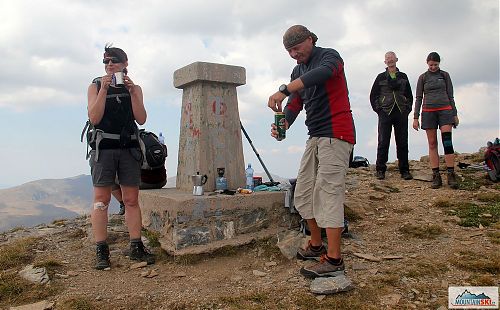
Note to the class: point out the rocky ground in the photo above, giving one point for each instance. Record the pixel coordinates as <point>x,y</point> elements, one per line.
<point>407,244</point>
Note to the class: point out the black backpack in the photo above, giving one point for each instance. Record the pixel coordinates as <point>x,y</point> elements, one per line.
<point>154,152</point>
<point>359,161</point>
<point>492,160</point>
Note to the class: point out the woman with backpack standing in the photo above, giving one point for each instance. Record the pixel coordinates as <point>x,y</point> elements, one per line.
<point>114,108</point>
<point>435,90</point>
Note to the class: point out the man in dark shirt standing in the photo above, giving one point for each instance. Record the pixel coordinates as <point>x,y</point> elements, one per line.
<point>319,86</point>
<point>391,99</point>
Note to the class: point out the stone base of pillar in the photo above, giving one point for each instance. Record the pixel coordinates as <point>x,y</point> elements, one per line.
<point>190,224</point>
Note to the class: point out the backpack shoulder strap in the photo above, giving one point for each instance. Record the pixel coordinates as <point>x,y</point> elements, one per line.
<point>88,126</point>
<point>97,82</point>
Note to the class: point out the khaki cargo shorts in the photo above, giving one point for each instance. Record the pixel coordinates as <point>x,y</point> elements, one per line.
<point>320,189</point>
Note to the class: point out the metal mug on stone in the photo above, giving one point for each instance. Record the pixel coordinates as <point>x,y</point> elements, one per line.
<point>198,182</point>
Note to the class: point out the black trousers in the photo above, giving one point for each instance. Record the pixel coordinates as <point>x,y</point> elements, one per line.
<point>385,123</point>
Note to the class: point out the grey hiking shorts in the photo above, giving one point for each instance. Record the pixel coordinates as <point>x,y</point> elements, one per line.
<point>113,164</point>
<point>435,119</point>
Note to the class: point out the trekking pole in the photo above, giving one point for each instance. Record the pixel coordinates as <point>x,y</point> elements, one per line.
<point>256,153</point>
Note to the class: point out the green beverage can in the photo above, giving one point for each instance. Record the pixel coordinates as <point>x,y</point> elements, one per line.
<point>279,120</point>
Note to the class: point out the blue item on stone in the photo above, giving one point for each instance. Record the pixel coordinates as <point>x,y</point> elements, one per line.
<point>260,188</point>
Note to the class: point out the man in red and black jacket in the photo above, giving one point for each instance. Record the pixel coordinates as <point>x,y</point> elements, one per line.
<point>319,86</point>
<point>391,99</point>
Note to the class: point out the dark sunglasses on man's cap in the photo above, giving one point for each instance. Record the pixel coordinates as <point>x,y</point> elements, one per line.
<point>114,60</point>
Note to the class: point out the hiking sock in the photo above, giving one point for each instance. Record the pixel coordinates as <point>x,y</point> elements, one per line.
<point>334,261</point>
<point>435,170</point>
<point>135,241</point>
<point>316,248</point>
<point>450,169</point>
<point>101,243</point>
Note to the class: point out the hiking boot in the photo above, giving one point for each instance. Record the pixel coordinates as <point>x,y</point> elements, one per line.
<point>139,253</point>
<point>323,269</point>
<point>310,253</point>
<point>437,182</point>
<point>122,210</point>
<point>406,175</point>
<point>452,180</point>
<point>380,174</point>
<point>102,257</point>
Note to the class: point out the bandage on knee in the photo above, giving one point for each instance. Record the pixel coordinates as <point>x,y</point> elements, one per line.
<point>100,206</point>
<point>447,143</point>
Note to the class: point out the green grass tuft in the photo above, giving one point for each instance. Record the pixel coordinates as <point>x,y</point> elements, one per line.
<point>478,262</point>
<point>488,197</point>
<point>17,253</point>
<point>51,265</point>
<point>16,229</point>
<point>16,291</point>
<point>77,233</point>
<point>443,204</point>
<point>424,268</point>
<point>472,215</point>
<point>76,303</point>
<point>483,280</point>
<point>422,231</point>
<point>471,183</point>
<point>59,222</point>
<point>153,238</point>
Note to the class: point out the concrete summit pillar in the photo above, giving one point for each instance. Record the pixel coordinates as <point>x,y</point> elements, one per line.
<point>210,133</point>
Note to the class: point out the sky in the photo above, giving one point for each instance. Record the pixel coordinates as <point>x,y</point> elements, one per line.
<point>51,50</point>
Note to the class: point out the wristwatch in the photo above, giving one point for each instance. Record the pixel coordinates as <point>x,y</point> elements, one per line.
<point>284,90</point>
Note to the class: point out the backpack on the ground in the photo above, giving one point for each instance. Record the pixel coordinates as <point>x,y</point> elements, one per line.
<point>359,161</point>
<point>492,160</point>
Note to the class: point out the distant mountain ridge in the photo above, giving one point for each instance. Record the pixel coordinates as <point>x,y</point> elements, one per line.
<point>44,201</point>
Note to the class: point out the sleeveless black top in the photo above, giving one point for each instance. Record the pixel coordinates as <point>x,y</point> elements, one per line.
<point>118,118</point>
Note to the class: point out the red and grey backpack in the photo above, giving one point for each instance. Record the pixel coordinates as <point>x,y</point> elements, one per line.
<point>492,160</point>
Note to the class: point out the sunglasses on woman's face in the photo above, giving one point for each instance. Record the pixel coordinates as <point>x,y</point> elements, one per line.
<point>112,59</point>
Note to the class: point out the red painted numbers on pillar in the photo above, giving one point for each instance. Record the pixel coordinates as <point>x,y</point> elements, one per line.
<point>218,107</point>
<point>195,132</point>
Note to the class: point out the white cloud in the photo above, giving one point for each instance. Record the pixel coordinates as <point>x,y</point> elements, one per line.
<point>294,149</point>
<point>477,104</point>
<point>36,97</point>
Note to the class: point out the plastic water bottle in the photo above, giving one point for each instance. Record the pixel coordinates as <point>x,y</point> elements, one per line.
<point>249,177</point>
<point>161,138</point>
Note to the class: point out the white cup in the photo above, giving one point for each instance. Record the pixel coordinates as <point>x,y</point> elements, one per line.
<point>117,78</point>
